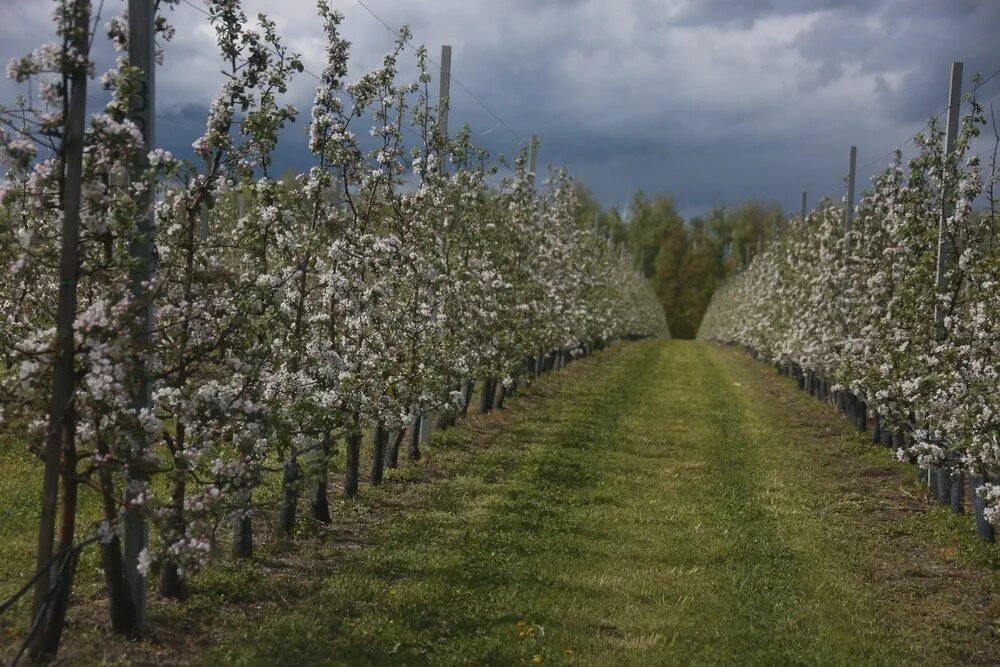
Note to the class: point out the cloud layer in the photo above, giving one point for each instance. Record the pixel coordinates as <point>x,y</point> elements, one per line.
<point>716,101</point>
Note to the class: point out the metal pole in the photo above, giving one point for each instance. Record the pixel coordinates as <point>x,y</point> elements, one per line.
<point>849,207</point>
<point>945,248</point>
<point>141,54</point>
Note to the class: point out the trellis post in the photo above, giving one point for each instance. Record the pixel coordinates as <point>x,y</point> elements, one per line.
<point>141,54</point>
<point>444,94</point>
<point>945,248</point>
<point>532,157</point>
<point>444,101</point>
<point>849,206</point>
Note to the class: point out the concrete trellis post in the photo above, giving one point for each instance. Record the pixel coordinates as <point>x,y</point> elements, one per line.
<point>532,161</point>
<point>141,54</point>
<point>849,206</point>
<point>444,101</point>
<point>804,195</point>
<point>444,92</point>
<point>945,249</point>
<point>532,157</point>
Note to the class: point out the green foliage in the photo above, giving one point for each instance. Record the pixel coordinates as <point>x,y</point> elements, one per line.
<point>646,514</point>
<point>642,507</point>
<point>688,268</point>
<point>649,221</point>
<point>743,231</point>
<point>590,216</point>
<point>687,261</point>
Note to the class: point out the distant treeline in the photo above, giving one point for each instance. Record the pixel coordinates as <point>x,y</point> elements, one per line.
<point>685,260</point>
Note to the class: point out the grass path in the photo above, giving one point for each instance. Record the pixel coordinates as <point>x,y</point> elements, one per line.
<point>674,503</point>
<point>664,502</point>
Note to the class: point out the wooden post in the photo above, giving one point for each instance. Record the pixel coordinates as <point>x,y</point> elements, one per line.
<point>804,195</point>
<point>945,248</point>
<point>141,54</point>
<point>849,207</point>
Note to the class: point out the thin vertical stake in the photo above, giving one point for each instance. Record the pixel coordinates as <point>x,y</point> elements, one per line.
<point>945,249</point>
<point>444,101</point>
<point>444,91</point>
<point>141,54</point>
<point>849,207</point>
<point>532,157</point>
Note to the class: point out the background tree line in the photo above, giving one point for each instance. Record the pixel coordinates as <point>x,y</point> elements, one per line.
<point>684,259</point>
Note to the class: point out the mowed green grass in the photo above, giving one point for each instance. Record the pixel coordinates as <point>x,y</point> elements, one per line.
<point>671,503</point>
<point>663,502</point>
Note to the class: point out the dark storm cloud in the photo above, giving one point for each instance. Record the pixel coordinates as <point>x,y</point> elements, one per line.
<point>714,100</point>
<point>913,41</point>
<point>743,14</point>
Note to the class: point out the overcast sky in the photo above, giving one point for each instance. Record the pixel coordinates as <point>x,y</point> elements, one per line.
<point>715,101</point>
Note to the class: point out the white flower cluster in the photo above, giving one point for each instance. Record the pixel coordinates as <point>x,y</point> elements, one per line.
<point>864,309</point>
<point>288,313</point>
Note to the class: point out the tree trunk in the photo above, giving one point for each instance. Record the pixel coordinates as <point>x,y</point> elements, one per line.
<point>983,527</point>
<point>886,435</point>
<point>290,479</point>
<point>898,439</point>
<point>172,585</point>
<point>319,504</point>
<point>63,368</point>
<point>501,396</point>
<point>392,451</point>
<point>470,386</point>
<point>243,520</point>
<point>449,413</point>
<point>378,454</point>
<point>958,492</point>
<point>414,451</point>
<point>486,398</point>
<point>50,632</point>
<point>243,530</point>
<point>121,605</point>
<point>353,463</point>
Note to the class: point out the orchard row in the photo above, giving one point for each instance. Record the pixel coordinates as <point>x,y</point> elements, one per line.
<point>861,313</point>
<point>268,318</point>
